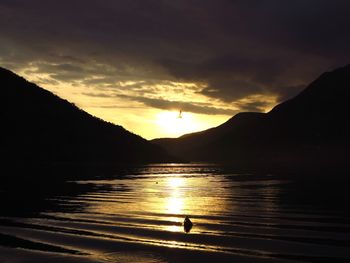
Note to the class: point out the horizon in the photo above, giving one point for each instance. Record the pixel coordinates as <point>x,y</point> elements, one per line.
<point>139,64</point>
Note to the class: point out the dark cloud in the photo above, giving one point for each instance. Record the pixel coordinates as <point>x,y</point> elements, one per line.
<point>230,77</point>
<point>97,95</point>
<point>178,105</point>
<point>238,48</point>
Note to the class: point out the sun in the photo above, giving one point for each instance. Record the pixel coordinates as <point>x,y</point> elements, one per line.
<point>176,123</point>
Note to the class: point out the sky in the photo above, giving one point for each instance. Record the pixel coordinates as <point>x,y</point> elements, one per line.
<point>137,63</point>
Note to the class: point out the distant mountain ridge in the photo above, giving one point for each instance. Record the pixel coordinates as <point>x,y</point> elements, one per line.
<point>307,130</point>
<point>38,126</point>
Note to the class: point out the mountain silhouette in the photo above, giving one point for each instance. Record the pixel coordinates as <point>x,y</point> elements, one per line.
<point>306,131</point>
<point>38,126</point>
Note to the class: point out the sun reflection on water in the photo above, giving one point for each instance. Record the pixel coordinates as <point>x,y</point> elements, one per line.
<point>175,201</point>
<point>175,205</point>
<point>163,199</point>
<point>175,182</point>
<point>146,208</point>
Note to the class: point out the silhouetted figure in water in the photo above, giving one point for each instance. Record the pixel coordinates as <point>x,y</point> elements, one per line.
<point>187,224</point>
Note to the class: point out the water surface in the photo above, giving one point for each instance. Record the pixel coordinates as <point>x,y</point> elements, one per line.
<point>136,215</point>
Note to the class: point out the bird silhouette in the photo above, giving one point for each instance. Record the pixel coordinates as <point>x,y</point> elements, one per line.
<point>187,224</point>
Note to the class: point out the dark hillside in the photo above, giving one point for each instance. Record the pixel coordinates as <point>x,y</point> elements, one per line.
<point>309,130</point>
<point>38,126</point>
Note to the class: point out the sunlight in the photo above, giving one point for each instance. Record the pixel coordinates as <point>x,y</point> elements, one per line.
<point>163,193</point>
<point>174,228</point>
<point>175,204</point>
<point>173,125</point>
<point>176,182</point>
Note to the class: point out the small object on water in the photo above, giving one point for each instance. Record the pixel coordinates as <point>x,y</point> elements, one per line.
<point>187,224</point>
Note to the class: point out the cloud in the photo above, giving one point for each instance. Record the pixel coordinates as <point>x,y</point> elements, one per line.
<point>194,107</point>
<point>97,95</point>
<point>234,48</point>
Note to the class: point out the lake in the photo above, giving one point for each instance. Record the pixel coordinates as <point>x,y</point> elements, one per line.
<point>136,214</point>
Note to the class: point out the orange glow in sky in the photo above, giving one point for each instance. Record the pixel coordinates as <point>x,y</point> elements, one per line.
<point>170,123</point>
<point>124,106</point>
